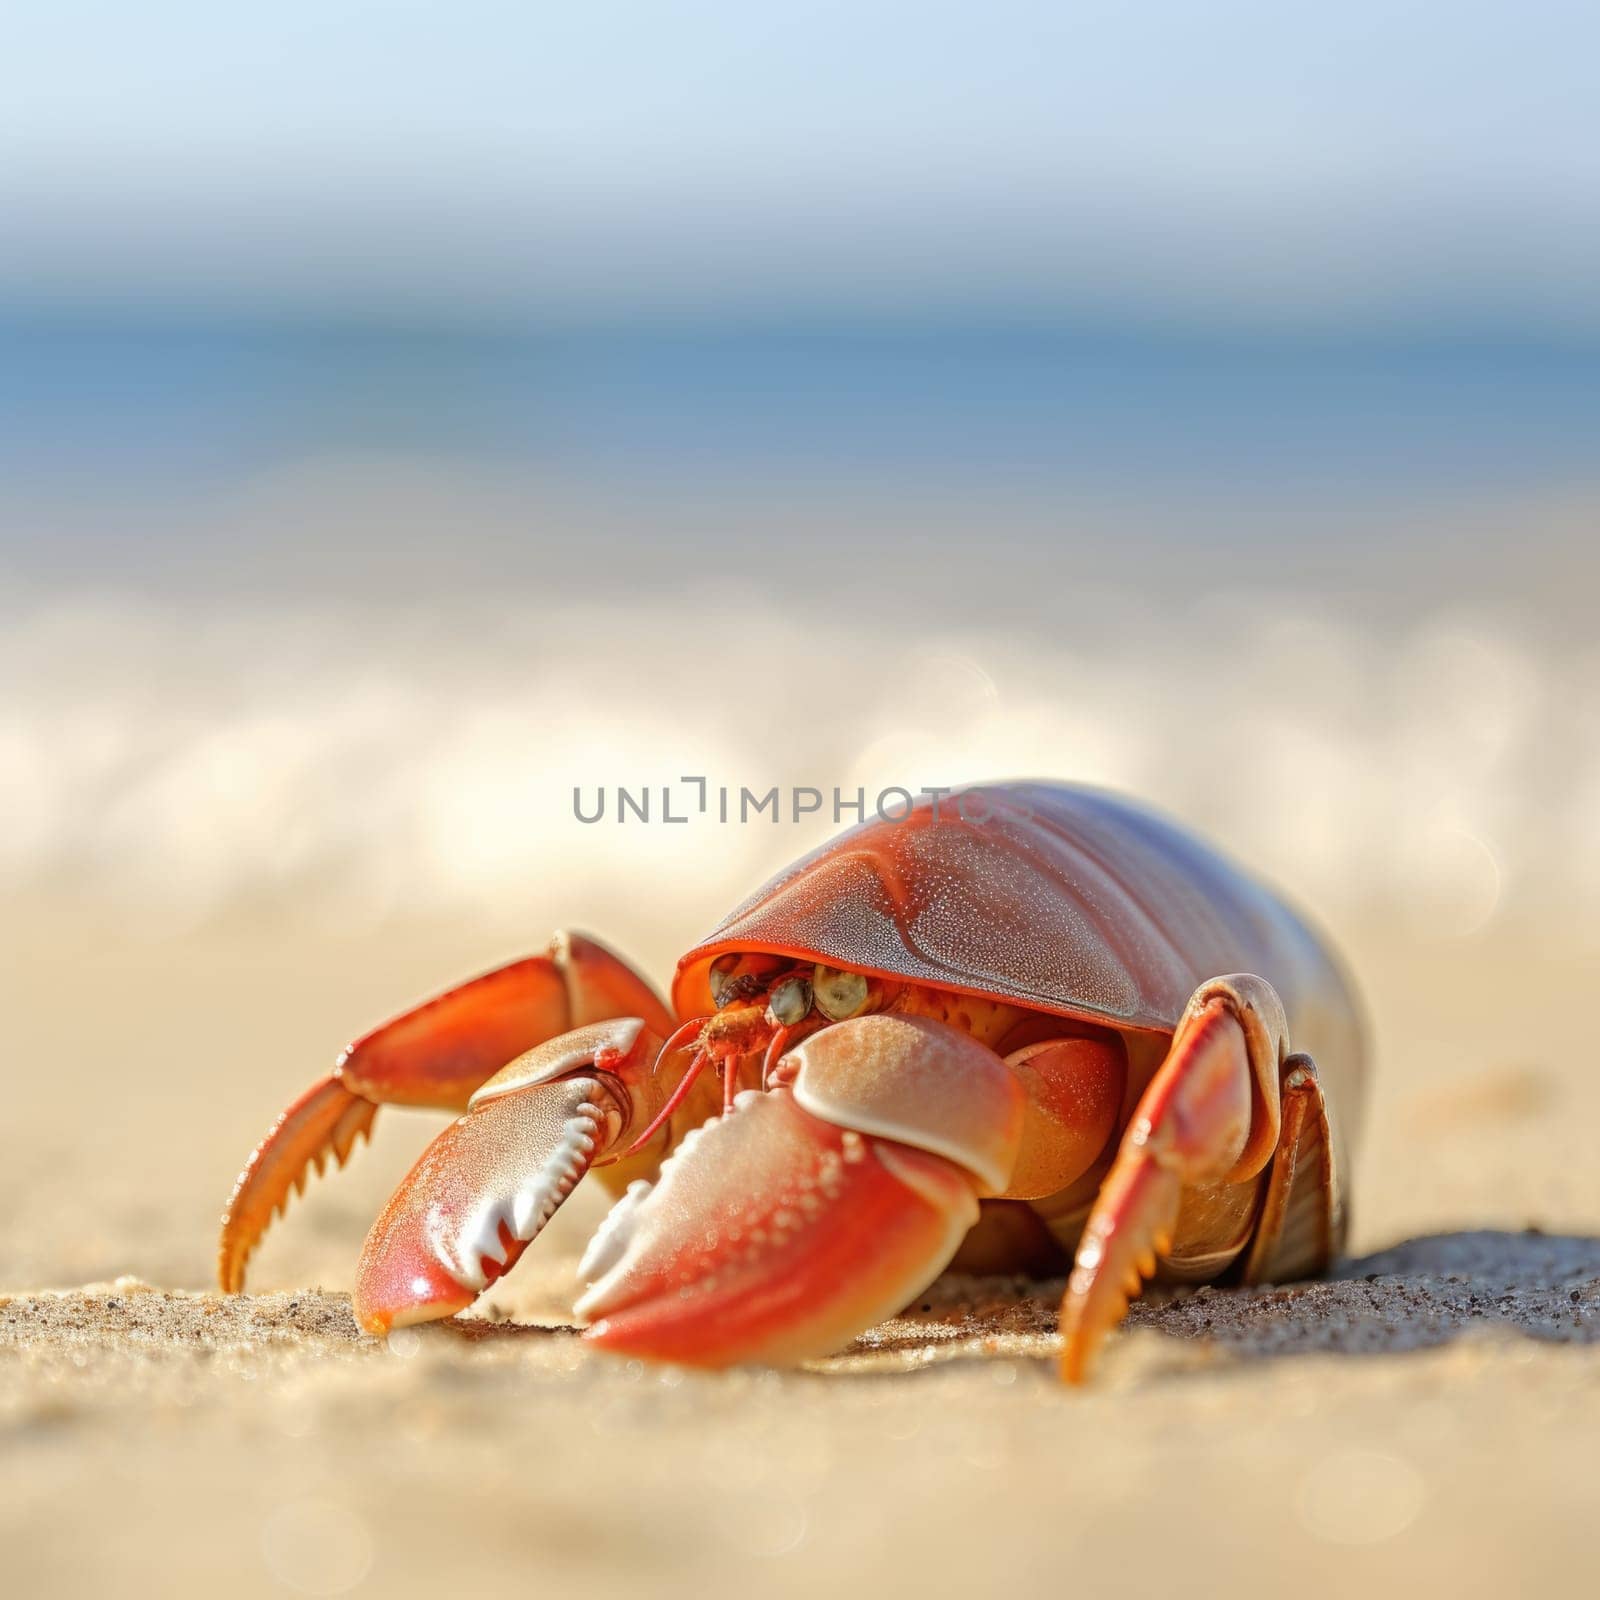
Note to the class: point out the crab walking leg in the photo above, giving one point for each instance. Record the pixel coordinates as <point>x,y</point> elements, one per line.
<point>780,1230</point>
<point>1203,1131</point>
<point>434,1055</point>
<point>486,1186</point>
<point>1300,1228</point>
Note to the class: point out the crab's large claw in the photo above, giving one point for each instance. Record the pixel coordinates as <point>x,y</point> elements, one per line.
<point>486,1186</point>
<point>806,1214</point>
<point>434,1055</point>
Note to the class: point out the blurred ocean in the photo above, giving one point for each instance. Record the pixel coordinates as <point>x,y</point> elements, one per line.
<point>1357,413</point>
<point>140,450</point>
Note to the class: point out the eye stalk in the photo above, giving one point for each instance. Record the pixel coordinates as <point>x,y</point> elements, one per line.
<point>790,1001</point>
<point>839,994</point>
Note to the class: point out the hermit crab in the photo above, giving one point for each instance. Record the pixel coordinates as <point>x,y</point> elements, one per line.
<point>1015,1026</point>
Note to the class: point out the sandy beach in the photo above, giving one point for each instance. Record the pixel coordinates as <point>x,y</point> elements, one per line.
<point>1426,1416</point>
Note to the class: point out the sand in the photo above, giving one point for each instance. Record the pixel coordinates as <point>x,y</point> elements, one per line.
<point>1427,1416</point>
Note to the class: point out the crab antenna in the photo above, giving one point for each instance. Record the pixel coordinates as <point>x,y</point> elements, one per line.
<point>692,1029</point>
<point>676,1098</point>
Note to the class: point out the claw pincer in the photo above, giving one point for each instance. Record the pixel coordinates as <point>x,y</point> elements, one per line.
<point>488,1184</point>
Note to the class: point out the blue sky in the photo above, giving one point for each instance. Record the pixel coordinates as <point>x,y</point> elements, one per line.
<point>1235,160</point>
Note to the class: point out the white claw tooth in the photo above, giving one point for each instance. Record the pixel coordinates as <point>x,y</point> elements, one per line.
<point>535,1203</point>
<point>477,1239</point>
<point>611,1237</point>
<point>530,1210</point>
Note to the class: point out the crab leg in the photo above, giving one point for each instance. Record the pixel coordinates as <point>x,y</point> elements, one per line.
<point>1184,1176</point>
<point>435,1055</point>
<point>809,1212</point>
<point>1300,1228</point>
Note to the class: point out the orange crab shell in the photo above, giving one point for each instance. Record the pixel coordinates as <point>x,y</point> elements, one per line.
<point>1064,900</point>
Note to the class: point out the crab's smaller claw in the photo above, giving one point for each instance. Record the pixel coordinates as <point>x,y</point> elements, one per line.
<point>435,1054</point>
<point>486,1186</point>
<point>808,1213</point>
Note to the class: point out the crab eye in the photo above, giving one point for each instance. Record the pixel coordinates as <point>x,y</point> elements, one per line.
<point>724,988</point>
<point>789,1001</point>
<point>839,994</point>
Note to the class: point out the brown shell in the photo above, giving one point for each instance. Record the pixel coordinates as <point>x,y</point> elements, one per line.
<point>1066,899</point>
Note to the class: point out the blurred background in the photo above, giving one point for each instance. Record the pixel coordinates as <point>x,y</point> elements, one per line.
<point>409,413</point>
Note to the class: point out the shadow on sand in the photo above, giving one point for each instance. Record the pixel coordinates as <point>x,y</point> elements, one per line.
<point>1421,1293</point>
